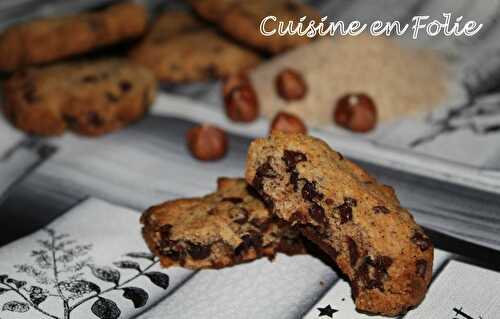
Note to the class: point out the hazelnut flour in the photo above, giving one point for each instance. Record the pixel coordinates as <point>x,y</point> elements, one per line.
<point>401,81</point>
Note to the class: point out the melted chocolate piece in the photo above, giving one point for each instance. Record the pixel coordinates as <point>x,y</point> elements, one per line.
<point>372,273</point>
<point>90,79</point>
<point>345,212</point>
<point>199,252</point>
<point>125,86</point>
<point>234,200</point>
<point>266,170</point>
<point>317,213</point>
<point>94,119</point>
<point>421,266</point>
<point>292,158</point>
<point>380,210</point>
<point>252,239</point>
<point>350,201</point>
<point>421,241</point>
<point>310,193</point>
<point>242,216</point>
<point>165,230</point>
<point>353,251</point>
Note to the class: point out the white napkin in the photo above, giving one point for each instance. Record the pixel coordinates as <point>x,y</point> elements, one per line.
<point>102,268</point>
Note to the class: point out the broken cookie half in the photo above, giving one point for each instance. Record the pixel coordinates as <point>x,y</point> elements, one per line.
<point>221,229</point>
<point>357,221</point>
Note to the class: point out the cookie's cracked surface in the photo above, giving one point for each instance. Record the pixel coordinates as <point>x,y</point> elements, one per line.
<point>357,221</point>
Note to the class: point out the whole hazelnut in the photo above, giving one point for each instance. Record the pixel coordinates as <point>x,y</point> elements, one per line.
<point>240,99</point>
<point>207,142</point>
<point>287,123</point>
<point>290,85</point>
<point>356,112</point>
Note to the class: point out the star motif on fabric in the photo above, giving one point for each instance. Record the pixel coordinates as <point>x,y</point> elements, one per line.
<point>327,311</point>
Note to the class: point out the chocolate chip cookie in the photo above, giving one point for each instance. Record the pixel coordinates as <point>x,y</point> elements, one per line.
<point>179,49</point>
<point>241,20</point>
<point>50,39</point>
<point>224,228</point>
<point>357,221</point>
<point>90,98</point>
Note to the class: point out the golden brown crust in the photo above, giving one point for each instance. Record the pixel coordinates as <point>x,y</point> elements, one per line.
<point>90,98</point>
<point>51,39</point>
<point>241,20</point>
<point>224,228</point>
<point>356,220</point>
<point>180,48</point>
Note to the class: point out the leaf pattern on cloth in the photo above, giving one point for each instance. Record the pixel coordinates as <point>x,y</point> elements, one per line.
<point>60,270</point>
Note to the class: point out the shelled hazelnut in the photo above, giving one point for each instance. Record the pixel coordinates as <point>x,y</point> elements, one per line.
<point>290,85</point>
<point>207,142</point>
<point>288,123</point>
<point>240,100</point>
<point>356,112</point>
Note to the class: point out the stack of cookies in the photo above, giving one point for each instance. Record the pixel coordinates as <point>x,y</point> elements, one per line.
<point>46,95</point>
<point>298,190</point>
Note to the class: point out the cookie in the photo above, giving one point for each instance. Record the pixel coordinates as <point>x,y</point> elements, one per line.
<point>357,221</point>
<point>222,229</point>
<point>50,39</point>
<point>90,98</point>
<point>241,20</point>
<point>179,49</point>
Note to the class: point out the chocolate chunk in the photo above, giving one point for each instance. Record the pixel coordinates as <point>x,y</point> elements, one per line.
<point>298,217</point>
<point>267,200</point>
<point>173,250</point>
<point>341,157</point>
<point>294,180</point>
<point>380,210</point>
<point>266,170</point>
<point>382,263</point>
<point>345,212</point>
<point>252,239</point>
<point>211,71</point>
<point>94,119</point>
<point>234,200</point>
<point>421,241</point>
<point>421,266</point>
<point>70,120</point>
<point>310,193</point>
<point>30,93</point>
<point>165,230</point>
<point>261,223</point>
<point>199,252</point>
<point>241,216</point>
<point>350,201</point>
<point>353,251</point>
<point>90,79</point>
<point>374,279</point>
<point>317,213</point>
<point>292,158</point>
<point>125,86</point>
<point>111,97</point>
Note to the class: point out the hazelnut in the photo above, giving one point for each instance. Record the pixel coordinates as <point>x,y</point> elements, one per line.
<point>356,112</point>
<point>233,81</point>
<point>207,142</point>
<point>290,85</point>
<point>288,123</point>
<point>240,99</point>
